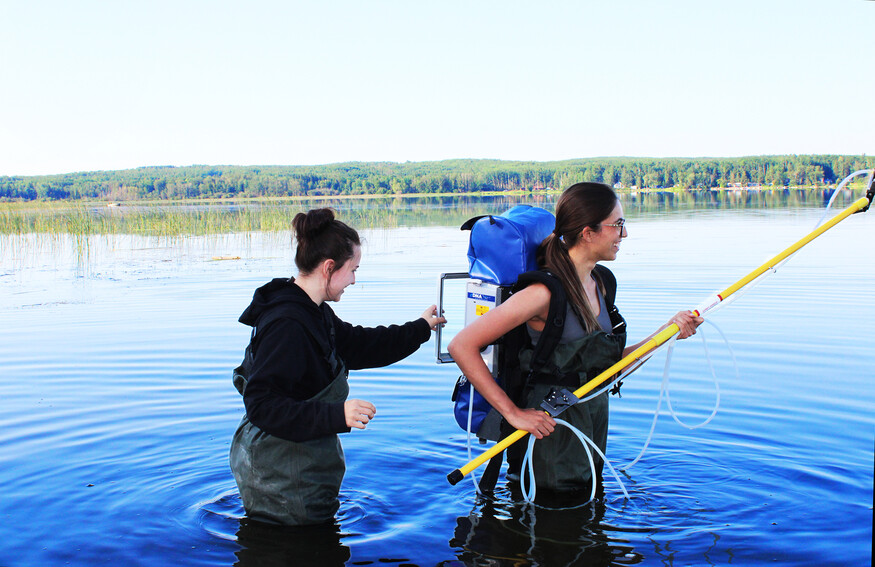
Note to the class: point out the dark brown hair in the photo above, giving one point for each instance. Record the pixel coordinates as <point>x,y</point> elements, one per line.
<point>581,205</point>
<point>322,237</point>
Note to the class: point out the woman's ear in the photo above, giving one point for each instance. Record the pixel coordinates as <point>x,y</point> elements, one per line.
<point>327,268</point>
<point>587,234</point>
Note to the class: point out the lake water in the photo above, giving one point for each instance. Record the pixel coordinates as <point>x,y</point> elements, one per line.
<point>118,407</point>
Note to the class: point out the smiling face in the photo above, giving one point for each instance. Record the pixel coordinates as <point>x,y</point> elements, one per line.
<point>606,240</point>
<point>344,276</point>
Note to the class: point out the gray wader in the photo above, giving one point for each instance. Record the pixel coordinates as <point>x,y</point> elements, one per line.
<point>287,482</point>
<point>560,461</point>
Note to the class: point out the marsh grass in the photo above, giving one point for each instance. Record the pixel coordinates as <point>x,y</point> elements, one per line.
<point>198,218</point>
<point>82,228</point>
<point>142,220</point>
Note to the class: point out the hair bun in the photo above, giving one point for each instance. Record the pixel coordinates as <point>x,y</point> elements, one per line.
<point>312,223</point>
<point>322,237</point>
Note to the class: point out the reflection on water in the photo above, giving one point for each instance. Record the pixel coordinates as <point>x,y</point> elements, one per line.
<point>265,545</point>
<point>507,531</point>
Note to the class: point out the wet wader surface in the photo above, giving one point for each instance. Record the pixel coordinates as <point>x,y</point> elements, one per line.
<point>560,460</point>
<point>286,482</point>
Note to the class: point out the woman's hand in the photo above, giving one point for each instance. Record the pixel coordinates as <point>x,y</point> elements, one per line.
<point>432,318</point>
<point>687,323</point>
<point>534,421</point>
<point>358,413</point>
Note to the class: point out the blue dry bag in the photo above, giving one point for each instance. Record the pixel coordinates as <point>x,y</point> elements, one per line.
<point>503,247</point>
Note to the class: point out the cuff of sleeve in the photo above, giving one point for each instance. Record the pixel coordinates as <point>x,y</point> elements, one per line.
<point>338,419</point>
<point>423,330</point>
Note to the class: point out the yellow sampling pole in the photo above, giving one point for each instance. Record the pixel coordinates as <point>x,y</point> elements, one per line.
<point>664,335</point>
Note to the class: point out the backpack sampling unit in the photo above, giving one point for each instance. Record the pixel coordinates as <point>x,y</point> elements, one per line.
<point>501,248</point>
<point>502,259</point>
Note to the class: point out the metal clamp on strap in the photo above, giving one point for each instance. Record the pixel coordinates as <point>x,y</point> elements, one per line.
<point>558,401</point>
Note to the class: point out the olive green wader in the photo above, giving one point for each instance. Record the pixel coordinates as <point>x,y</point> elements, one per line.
<point>560,461</point>
<point>287,482</point>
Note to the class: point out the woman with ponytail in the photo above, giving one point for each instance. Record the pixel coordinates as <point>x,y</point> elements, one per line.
<point>286,456</point>
<point>589,229</point>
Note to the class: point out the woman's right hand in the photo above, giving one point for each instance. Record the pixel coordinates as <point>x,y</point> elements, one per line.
<point>534,421</point>
<point>358,413</point>
<point>432,318</point>
<point>687,323</point>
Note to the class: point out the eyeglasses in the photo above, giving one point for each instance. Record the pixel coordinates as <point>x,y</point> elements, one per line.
<point>620,225</point>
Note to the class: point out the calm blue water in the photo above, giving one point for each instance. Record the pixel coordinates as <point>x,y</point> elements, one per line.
<point>118,408</point>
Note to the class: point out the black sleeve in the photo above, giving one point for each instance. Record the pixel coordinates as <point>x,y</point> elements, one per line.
<point>287,370</point>
<point>372,347</point>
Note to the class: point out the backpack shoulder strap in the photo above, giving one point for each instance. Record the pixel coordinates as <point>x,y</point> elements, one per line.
<point>556,312</point>
<point>608,281</point>
<point>545,346</point>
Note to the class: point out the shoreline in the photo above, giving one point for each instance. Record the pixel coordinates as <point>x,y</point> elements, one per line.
<point>622,191</point>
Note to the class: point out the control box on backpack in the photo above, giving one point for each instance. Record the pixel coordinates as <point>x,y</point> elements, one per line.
<point>501,247</point>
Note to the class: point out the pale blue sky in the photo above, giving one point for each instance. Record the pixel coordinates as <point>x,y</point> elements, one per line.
<point>113,84</point>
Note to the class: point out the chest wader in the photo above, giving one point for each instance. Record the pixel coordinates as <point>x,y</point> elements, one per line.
<point>560,461</point>
<point>289,482</point>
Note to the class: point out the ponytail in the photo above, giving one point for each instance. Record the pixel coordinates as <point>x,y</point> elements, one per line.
<point>581,205</point>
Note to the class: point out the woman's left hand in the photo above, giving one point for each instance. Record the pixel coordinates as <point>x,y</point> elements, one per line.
<point>431,316</point>
<point>358,413</point>
<point>687,323</point>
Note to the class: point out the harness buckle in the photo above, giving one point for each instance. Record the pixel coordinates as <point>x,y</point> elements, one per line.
<point>557,401</point>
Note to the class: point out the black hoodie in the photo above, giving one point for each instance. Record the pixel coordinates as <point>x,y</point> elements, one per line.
<point>289,368</point>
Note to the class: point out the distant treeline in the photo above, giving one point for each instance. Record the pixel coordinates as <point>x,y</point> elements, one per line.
<point>450,176</point>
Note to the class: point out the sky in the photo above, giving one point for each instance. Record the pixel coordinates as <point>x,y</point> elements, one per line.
<point>116,84</point>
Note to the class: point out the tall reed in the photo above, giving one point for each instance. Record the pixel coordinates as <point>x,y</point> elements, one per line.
<point>196,219</point>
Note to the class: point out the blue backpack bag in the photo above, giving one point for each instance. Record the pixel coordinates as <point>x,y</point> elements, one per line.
<point>501,248</point>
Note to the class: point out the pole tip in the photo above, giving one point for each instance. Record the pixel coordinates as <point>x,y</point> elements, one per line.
<point>455,476</point>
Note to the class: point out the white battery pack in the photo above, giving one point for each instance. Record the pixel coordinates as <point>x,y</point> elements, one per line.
<point>480,298</point>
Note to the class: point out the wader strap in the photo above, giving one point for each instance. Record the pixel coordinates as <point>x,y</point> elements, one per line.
<point>326,347</point>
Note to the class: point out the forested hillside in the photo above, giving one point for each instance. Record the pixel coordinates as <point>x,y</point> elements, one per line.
<point>450,176</point>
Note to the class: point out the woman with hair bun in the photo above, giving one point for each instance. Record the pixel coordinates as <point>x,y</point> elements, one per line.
<point>589,229</point>
<point>285,455</point>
